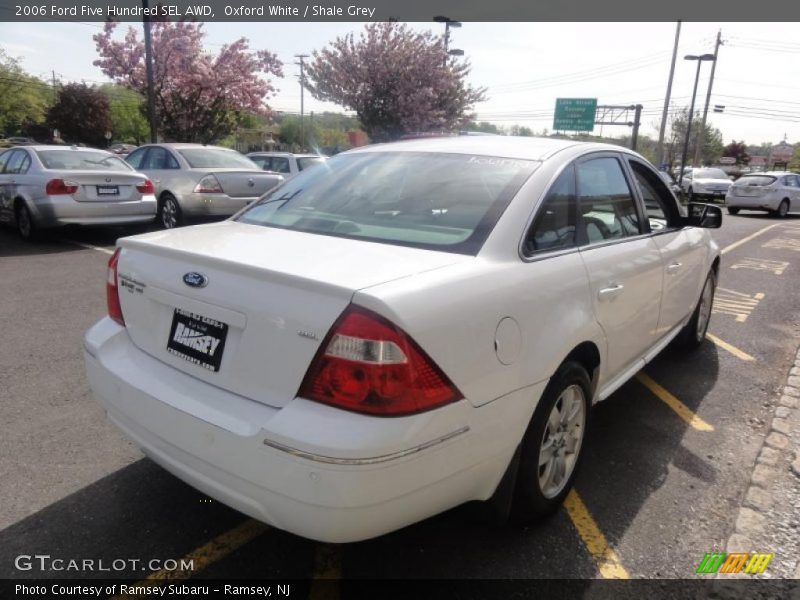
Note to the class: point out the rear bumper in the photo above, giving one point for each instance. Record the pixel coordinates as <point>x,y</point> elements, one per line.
<point>221,205</point>
<point>754,203</point>
<point>310,469</point>
<point>52,211</point>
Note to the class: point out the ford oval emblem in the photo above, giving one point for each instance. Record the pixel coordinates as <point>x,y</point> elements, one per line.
<point>195,279</point>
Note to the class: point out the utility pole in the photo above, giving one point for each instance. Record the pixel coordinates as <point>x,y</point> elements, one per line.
<point>302,64</point>
<point>148,61</point>
<point>702,132</point>
<point>55,89</point>
<point>660,149</point>
<point>637,117</point>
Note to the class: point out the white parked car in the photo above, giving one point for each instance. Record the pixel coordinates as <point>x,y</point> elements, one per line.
<point>418,325</point>
<point>287,164</point>
<point>776,192</point>
<point>705,183</point>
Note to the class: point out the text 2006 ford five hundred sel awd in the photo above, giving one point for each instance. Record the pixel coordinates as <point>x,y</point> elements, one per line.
<point>407,328</point>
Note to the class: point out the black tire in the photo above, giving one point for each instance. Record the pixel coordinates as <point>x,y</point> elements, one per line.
<point>783,209</point>
<point>26,225</point>
<point>692,336</point>
<point>170,214</point>
<point>733,211</point>
<point>529,503</point>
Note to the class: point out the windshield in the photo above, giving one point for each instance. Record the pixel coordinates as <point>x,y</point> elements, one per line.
<point>304,162</point>
<point>81,160</point>
<point>444,202</point>
<point>216,158</point>
<point>708,174</point>
<point>756,180</point>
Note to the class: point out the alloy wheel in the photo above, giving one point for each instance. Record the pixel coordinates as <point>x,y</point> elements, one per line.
<point>169,213</point>
<point>562,440</point>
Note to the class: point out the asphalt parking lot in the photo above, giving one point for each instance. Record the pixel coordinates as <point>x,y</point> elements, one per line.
<point>668,456</point>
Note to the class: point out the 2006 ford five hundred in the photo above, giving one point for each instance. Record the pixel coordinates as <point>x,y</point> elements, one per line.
<point>406,328</point>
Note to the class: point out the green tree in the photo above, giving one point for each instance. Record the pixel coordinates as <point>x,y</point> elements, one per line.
<point>520,130</point>
<point>712,140</point>
<point>24,99</point>
<point>484,127</point>
<point>126,109</point>
<point>737,150</point>
<point>81,115</point>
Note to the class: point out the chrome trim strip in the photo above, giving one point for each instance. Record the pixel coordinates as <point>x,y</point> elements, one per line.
<point>332,460</point>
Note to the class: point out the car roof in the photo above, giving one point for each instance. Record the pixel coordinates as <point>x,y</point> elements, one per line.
<point>179,145</point>
<point>769,173</point>
<point>523,148</point>
<point>60,147</point>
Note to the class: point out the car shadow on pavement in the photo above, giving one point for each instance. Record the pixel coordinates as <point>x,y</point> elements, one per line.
<point>140,512</point>
<point>65,239</point>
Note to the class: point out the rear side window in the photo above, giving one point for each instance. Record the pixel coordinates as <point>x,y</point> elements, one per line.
<point>4,159</point>
<point>606,203</point>
<point>447,202</point>
<point>555,226</point>
<point>18,163</point>
<point>659,203</point>
<point>280,164</point>
<point>261,161</point>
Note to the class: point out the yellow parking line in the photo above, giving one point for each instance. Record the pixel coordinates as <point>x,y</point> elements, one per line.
<point>607,561</point>
<point>327,573</point>
<point>218,548</point>
<point>734,245</point>
<point>683,411</point>
<point>732,349</point>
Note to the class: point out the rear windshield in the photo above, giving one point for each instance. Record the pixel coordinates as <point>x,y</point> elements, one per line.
<point>708,174</point>
<point>304,162</point>
<point>81,160</point>
<point>756,180</point>
<point>216,158</point>
<point>446,202</point>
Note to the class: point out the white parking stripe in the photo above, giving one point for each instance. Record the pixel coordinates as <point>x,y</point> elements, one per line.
<point>748,238</point>
<point>88,246</point>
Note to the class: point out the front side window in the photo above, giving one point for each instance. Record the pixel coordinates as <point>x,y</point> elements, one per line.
<point>216,158</point>
<point>448,202</point>
<point>81,160</point>
<point>606,203</point>
<point>659,203</point>
<point>555,226</point>
<point>159,159</point>
<point>134,159</point>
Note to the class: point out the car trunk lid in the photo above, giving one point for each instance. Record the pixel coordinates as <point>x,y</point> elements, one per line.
<point>102,186</point>
<point>263,298</point>
<point>243,183</point>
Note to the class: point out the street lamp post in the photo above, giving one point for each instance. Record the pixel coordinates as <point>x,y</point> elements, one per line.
<point>700,59</point>
<point>448,23</point>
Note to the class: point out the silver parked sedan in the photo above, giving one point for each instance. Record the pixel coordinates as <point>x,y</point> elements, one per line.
<point>777,192</point>
<point>193,180</point>
<point>48,186</point>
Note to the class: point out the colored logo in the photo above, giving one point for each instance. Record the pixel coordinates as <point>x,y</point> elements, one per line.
<point>734,562</point>
<point>195,279</point>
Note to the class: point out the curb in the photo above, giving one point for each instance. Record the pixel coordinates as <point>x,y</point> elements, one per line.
<point>777,459</point>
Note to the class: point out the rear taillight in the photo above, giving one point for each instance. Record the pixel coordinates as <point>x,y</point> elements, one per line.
<point>112,291</point>
<point>368,365</point>
<point>146,188</point>
<point>208,185</point>
<point>59,187</point>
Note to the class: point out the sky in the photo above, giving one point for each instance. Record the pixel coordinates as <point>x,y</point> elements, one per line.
<point>524,66</point>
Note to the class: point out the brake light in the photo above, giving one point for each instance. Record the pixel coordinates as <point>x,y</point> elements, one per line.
<point>59,187</point>
<point>208,185</point>
<point>368,365</point>
<point>112,291</point>
<point>146,188</point>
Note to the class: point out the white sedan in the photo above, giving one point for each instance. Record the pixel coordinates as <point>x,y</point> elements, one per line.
<point>415,326</point>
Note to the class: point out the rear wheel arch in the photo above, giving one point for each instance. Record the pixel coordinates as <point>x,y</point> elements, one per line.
<point>587,354</point>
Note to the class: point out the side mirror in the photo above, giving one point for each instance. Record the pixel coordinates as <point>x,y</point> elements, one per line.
<point>704,215</point>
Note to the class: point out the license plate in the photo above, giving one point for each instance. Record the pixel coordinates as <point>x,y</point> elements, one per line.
<point>197,339</point>
<point>107,190</point>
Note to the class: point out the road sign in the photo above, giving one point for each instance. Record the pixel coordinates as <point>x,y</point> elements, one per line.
<point>575,114</point>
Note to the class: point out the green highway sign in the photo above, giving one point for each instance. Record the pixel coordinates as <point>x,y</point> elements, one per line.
<point>575,114</point>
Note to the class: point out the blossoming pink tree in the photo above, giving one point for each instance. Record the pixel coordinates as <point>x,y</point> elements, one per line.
<point>395,79</point>
<point>198,96</point>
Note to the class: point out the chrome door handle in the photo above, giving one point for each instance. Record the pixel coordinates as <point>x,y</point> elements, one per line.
<point>673,268</point>
<point>611,291</point>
